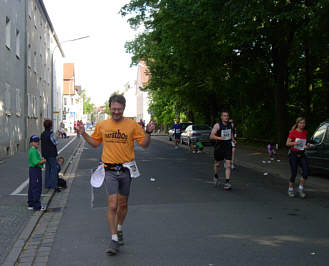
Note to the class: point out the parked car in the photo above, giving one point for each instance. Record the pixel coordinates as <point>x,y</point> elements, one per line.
<point>172,131</point>
<point>195,133</point>
<point>318,152</point>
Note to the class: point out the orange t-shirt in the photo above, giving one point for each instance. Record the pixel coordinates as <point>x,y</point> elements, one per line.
<point>118,139</point>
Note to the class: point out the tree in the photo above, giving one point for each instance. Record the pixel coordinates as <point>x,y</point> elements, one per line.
<point>264,61</point>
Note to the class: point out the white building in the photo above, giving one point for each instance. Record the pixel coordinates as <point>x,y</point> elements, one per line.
<point>72,98</point>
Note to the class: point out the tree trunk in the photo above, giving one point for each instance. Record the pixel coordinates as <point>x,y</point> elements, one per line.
<point>280,54</point>
<point>308,82</point>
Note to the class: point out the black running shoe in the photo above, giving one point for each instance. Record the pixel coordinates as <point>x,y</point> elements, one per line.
<point>113,249</point>
<point>120,238</point>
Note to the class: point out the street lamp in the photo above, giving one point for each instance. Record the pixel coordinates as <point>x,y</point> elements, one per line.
<point>52,71</point>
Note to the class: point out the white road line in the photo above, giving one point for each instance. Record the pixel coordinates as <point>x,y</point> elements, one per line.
<point>20,188</point>
<point>62,149</point>
<point>26,182</point>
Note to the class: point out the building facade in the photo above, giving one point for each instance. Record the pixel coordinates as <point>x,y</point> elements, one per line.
<point>12,77</point>
<point>27,42</point>
<point>142,96</point>
<point>72,98</point>
<point>41,42</point>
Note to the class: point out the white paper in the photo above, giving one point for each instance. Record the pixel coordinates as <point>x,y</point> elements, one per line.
<point>133,169</point>
<point>227,134</point>
<point>300,146</point>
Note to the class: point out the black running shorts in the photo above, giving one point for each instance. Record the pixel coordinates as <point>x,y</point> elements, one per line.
<point>223,152</point>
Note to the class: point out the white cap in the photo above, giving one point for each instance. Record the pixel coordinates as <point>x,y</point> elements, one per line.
<point>97,177</point>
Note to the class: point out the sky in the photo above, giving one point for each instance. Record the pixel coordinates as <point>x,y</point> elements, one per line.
<point>101,64</point>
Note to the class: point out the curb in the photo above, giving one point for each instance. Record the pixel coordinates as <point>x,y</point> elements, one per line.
<point>19,245</point>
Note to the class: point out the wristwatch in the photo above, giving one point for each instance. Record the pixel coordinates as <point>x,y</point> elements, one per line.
<point>148,132</point>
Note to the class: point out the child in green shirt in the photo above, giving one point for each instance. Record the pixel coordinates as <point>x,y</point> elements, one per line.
<point>35,175</point>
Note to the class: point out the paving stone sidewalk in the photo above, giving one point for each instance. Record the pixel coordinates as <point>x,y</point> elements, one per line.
<point>14,216</point>
<point>37,248</point>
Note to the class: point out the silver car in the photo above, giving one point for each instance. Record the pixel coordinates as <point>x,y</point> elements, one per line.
<point>195,133</point>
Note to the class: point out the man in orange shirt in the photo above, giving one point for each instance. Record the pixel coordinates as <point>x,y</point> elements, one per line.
<point>117,135</point>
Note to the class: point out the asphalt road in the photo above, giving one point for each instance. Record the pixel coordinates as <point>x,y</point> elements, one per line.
<point>181,219</point>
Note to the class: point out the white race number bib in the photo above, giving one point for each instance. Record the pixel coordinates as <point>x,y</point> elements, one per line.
<point>133,169</point>
<point>301,145</point>
<point>227,134</point>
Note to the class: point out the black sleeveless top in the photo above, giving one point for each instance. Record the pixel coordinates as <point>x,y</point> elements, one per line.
<point>225,131</point>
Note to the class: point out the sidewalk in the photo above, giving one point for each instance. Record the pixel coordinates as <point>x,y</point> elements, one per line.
<point>14,216</point>
<point>257,158</point>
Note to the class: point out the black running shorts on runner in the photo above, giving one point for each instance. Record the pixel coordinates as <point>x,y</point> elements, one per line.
<point>223,152</point>
<point>117,182</point>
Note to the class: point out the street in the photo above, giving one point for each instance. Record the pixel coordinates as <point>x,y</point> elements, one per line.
<point>181,219</point>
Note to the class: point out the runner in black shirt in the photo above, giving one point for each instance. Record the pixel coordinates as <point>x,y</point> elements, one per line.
<point>223,133</point>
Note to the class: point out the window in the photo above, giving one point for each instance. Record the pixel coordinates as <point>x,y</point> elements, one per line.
<point>18,44</point>
<point>35,62</point>
<point>29,56</point>
<point>7,99</point>
<point>319,133</point>
<point>8,31</point>
<point>326,140</point>
<point>201,127</point>
<point>18,102</point>
<point>29,105</point>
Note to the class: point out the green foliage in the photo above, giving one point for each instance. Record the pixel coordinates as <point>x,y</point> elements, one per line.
<point>88,107</point>
<point>264,61</point>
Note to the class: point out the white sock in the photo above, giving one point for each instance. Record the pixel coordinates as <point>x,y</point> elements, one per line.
<point>115,237</point>
<point>301,187</point>
<point>291,189</point>
<point>119,227</point>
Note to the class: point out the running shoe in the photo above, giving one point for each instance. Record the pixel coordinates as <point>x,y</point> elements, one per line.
<point>113,248</point>
<point>120,238</point>
<point>227,186</point>
<point>42,209</point>
<point>291,193</point>
<point>302,194</point>
<point>216,181</point>
<point>30,208</point>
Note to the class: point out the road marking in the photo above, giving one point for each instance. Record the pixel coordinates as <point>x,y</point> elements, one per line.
<point>19,189</point>
<point>67,145</point>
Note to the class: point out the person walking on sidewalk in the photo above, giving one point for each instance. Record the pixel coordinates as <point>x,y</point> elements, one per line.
<point>49,152</point>
<point>117,135</point>
<point>297,141</point>
<point>223,133</point>
<point>177,132</point>
<point>35,175</point>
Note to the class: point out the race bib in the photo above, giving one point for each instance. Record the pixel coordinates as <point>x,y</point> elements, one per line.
<point>177,130</point>
<point>227,134</point>
<point>133,169</point>
<point>300,146</point>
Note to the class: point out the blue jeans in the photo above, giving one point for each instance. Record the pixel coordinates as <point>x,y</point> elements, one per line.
<point>35,188</point>
<point>296,159</point>
<point>51,173</point>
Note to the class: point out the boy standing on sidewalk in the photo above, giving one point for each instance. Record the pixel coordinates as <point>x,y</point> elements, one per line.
<point>35,175</point>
